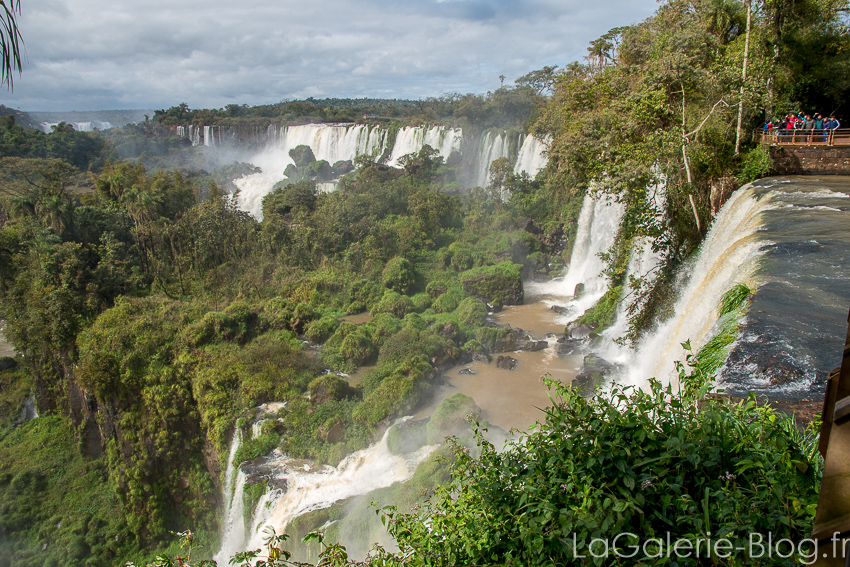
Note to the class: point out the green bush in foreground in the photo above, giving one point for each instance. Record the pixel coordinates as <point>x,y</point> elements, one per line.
<point>649,463</point>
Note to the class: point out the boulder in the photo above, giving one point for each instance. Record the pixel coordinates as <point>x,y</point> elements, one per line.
<point>579,290</point>
<point>569,346</point>
<point>560,310</point>
<point>506,362</point>
<point>466,372</point>
<point>511,341</point>
<point>594,364</point>
<point>581,332</point>
<point>496,285</point>
<point>534,346</point>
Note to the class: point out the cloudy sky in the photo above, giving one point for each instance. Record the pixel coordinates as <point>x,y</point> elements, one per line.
<point>124,54</point>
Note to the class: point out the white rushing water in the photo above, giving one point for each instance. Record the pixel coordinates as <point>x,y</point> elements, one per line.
<point>492,147</point>
<point>233,532</point>
<point>411,139</point>
<point>728,256</point>
<point>92,126</point>
<point>643,265</point>
<point>598,225</point>
<point>341,142</point>
<point>312,489</point>
<point>532,156</point>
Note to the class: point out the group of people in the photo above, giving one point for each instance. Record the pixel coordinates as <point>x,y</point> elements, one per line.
<point>802,121</point>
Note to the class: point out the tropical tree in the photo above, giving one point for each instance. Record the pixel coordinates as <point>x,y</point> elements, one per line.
<point>11,41</point>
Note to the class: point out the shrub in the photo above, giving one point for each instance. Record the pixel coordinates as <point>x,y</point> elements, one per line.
<point>421,302</point>
<point>452,417</point>
<point>449,301</point>
<point>329,387</point>
<point>358,348</point>
<point>320,330</point>
<point>499,285</point>
<point>471,312</point>
<point>436,288</point>
<point>398,275</point>
<point>662,463</point>
<point>395,303</point>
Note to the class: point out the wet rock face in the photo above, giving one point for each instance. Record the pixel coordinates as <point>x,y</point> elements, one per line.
<point>568,346</point>
<point>581,332</point>
<point>506,362</point>
<point>534,346</point>
<point>596,364</point>
<point>7,363</point>
<point>259,471</point>
<point>592,374</point>
<point>579,290</point>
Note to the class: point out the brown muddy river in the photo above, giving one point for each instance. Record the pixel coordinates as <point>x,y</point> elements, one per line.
<point>512,399</point>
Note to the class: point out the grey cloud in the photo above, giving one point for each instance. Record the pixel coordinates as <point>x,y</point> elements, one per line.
<point>90,54</point>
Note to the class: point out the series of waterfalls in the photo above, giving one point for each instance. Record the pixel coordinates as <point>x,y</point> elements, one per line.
<point>345,142</point>
<point>787,238</point>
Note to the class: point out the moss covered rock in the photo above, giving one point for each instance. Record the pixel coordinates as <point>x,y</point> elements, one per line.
<point>497,285</point>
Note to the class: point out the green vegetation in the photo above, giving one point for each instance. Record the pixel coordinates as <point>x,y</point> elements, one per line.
<point>647,463</point>
<point>152,315</point>
<point>57,507</point>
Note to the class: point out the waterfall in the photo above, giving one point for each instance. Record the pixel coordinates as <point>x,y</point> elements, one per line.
<point>491,148</point>
<point>307,490</point>
<point>598,225</point>
<point>643,262</point>
<point>257,428</point>
<point>330,142</point>
<point>532,156</point>
<point>91,126</point>
<point>209,136</point>
<point>340,142</point>
<point>333,143</point>
<point>233,529</point>
<point>411,139</point>
<point>728,256</point>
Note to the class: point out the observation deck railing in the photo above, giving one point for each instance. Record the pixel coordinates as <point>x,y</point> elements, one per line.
<point>799,137</point>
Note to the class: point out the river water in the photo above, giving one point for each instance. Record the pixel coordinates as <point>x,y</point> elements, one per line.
<point>793,334</point>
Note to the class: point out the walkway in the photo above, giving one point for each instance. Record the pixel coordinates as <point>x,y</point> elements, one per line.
<point>839,137</point>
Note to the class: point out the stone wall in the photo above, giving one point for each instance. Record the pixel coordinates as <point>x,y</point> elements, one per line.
<point>810,160</point>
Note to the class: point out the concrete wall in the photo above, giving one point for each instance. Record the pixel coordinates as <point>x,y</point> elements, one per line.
<point>810,160</point>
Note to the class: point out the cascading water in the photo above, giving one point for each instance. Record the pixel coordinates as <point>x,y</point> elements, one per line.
<point>233,533</point>
<point>532,156</point>
<point>727,256</point>
<point>307,490</point>
<point>342,142</point>
<point>788,239</point>
<point>492,147</point>
<point>643,262</point>
<point>411,139</point>
<point>331,143</point>
<point>598,224</point>
<point>793,334</point>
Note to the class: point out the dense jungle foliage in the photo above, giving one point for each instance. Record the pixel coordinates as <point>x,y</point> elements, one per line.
<point>150,314</point>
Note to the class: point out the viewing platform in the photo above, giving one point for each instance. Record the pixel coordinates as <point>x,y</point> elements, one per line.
<point>838,137</point>
<point>807,152</point>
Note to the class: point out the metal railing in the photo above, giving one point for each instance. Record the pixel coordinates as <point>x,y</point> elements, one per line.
<point>799,137</point>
